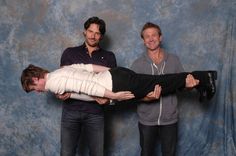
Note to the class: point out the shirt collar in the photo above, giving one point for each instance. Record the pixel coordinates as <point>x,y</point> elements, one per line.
<point>85,47</point>
<point>149,60</point>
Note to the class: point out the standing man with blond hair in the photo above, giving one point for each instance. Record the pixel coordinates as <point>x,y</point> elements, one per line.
<point>158,119</point>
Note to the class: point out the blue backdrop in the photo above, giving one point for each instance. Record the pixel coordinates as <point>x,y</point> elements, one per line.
<point>201,32</point>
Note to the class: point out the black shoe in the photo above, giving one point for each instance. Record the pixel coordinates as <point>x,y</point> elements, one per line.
<point>202,94</point>
<point>206,87</point>
<point>211,87</point>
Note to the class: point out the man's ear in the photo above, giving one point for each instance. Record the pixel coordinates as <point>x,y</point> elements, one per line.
<point>35,79</point>
<point>101,37</point>
<point>161,38</point>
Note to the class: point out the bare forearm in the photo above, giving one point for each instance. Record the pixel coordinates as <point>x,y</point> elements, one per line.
<point>109,94</point>
<point>121,95</point>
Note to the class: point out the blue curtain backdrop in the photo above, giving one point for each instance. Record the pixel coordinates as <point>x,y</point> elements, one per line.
<point>201,32</point>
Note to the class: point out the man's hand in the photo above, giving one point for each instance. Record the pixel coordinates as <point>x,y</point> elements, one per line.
<point>190,81</point>
<point>101,101</point>
<point>154,95</point>
<point>123,95</point>
<point>64,96</point>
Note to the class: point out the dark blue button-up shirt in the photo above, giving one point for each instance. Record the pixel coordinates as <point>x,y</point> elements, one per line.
<point>80,54</point>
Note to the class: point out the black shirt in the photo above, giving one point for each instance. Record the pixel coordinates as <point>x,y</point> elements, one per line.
<point>80,54</point>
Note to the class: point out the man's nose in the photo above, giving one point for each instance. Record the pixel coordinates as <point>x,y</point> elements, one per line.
<point>93,35</point>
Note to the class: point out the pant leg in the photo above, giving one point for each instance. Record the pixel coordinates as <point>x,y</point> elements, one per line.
<point>168,137</point>
<point>70,132</point>
<point>148,139</point>
<point>71,125</point>
<point>94,131</point>
<point>140,85</point>
<point>121,79</point>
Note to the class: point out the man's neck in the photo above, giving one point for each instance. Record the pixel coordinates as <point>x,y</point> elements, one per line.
<point>45,78</point>
<point>91,49</point>
<point>156,56</point>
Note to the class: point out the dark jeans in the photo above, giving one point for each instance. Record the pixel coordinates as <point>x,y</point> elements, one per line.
<point>150,134</point>
<point>72,124</point>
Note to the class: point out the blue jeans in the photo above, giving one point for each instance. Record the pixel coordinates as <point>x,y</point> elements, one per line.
<point>72,123</point>
<point>150,134</point>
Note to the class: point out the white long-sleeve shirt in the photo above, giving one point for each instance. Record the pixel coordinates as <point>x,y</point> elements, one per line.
<point>79,79</point>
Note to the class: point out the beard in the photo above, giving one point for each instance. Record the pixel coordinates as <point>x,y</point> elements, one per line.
<point>92,42</point>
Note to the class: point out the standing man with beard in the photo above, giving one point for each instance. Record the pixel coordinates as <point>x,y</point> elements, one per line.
<point>83,116</point>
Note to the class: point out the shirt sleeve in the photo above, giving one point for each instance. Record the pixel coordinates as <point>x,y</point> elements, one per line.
<point>65,59</point>
<point>60,85</point>
<point>82,97</point>
<point>87,67</point>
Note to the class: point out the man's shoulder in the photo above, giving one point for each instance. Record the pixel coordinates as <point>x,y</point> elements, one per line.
<point>73,49</point>
<point>72,55</point>
<point>140,64</point>
<point>171,57</point>
<point>140,60</point>
<point>107,52</point>
<point>173,63</point>
<point>72,52</point>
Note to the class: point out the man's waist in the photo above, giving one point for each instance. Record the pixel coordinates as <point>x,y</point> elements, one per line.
<point>83,106</point>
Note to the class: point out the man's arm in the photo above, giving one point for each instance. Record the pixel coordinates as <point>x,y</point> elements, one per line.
<point>64,96</point>
<point>83,97</point>
<point>90,67</point>
<point>119,96</point>
<point>77,96</point>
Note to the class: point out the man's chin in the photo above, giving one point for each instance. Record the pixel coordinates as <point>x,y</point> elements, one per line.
<point>92,44</point>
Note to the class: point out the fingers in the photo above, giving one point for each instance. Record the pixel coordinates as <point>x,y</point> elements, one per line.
<point>191,81</point>
<point>63,96</point>
<point>125,95</point>
<point>129,95</point>
<point>102,101</point>
<point>157,92</point>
